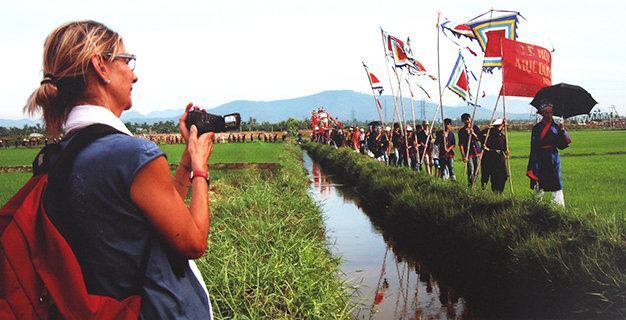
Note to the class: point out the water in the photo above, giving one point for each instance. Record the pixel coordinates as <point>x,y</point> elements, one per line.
<point>389,287</point>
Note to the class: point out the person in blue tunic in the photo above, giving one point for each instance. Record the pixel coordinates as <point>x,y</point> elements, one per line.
<point>544,163</point>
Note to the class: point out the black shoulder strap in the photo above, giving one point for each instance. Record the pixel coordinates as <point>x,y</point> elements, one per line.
<point>44,163</point>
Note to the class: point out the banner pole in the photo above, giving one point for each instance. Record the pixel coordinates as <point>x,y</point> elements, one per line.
<point>439,81</point>
<point>493,114</point>
<point>403,116</point>
<point>376,101</point>
<point>480,79</point>
<point>506,125</point>
<point>414,126</point>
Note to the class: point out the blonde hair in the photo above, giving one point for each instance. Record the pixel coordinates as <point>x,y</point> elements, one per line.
<point>66,62</point>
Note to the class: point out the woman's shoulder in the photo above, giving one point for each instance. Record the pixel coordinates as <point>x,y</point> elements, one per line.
<point>122,146</point>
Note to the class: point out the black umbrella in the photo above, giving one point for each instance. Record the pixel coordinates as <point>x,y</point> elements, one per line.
<point>374,123</point>
<point>567,100</point>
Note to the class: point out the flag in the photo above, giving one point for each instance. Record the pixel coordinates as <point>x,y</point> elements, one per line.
<point>457,29</point>
<point>458,82</point>
<point>490,33</point>
<point>526,68</point>
<point>376,85</point>
<point>386,45</point>
<point>400,56</point>
<point>416,67</point>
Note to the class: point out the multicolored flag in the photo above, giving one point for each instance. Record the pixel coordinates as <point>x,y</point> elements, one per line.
<point>457,29</point>
<point>490,33</point>
<point>375,84</point>
<point>458,82</point>
<point>400,55</point>
<point>416,67</point>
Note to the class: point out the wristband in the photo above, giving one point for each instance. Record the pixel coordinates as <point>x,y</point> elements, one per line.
<point>199,174</point>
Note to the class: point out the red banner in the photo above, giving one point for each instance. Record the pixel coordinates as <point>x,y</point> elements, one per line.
<point>526,68</point>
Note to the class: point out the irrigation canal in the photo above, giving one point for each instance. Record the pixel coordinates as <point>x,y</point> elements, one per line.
<point>389,287</point>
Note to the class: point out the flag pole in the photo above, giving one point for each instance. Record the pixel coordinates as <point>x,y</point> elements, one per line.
<point>402,116</point>
<point>439,81</point>
<point>430,133</point>
<point>480,79</point>
<point>395,101</point>
<point>506,125</point>
<point>493,114</point>
<point>376,101</point>
<point>414,125</point>
<point>412,103</point>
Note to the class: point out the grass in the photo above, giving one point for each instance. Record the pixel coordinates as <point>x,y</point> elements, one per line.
<point>542,257</point>
<point>10,183</point>
<point>267,256</point>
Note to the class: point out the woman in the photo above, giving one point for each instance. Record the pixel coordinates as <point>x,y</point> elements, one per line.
<point>125,219</point>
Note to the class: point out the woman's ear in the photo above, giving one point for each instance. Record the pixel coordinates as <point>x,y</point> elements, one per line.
<point>100,68</point>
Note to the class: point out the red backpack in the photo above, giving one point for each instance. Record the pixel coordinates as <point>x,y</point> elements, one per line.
<point>40,277</point>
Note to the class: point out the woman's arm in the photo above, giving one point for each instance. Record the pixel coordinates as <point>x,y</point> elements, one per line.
<point>161,198</point>
<point>184,228</point>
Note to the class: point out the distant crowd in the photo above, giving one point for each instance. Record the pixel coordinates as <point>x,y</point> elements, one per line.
<point>160,138</point>
<point>226,137</point>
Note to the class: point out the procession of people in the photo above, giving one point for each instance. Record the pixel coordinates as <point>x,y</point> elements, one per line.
<point>483,151</point>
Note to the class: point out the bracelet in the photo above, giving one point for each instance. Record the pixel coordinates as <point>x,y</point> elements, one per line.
<point>198,174</point>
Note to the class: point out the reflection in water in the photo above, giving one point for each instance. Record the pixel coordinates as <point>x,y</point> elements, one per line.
<point>397,287</point>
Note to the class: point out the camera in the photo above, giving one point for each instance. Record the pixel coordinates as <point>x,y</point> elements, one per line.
<point>206,122</point>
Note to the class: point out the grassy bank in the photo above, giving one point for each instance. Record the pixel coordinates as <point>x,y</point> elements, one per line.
<point>267,256</point>
<point>539,258</point>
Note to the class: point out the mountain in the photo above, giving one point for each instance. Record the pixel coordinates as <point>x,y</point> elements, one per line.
<point>344,105</point>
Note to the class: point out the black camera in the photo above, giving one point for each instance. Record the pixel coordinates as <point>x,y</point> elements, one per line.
<point>206,122</point>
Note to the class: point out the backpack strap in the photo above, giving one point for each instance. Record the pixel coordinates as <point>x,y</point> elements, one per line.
<point>58,162</point>
<point>53,156</point>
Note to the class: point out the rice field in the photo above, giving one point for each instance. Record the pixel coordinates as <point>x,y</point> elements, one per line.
<point>257,152</point>
<point>593,167</point>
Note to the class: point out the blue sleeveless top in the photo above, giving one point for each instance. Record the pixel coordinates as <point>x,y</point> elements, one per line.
<point>119,251</point>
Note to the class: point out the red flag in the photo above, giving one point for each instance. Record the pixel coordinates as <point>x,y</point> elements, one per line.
<point>375,82</point>
<point>494,39</point>
<point>526,68</point>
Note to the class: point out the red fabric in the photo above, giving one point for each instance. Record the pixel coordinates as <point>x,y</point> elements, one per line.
<point>545,129</point>
<point>374,80</point>
<point>494,39</point>
<point>36,261</point>
<point>526,68</point>
<point>462,81</point>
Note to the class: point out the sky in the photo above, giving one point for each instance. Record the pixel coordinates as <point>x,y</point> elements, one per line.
<point>214,52</point>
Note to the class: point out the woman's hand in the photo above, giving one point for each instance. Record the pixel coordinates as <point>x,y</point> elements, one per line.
<point>182,127</point>
<point>199,148</point>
